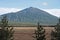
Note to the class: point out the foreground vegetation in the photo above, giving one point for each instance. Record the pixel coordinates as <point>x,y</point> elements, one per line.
<point>6,32</point>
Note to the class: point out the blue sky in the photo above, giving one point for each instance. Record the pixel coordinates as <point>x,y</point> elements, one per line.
<point>51,6</point>
<point>43,4</point>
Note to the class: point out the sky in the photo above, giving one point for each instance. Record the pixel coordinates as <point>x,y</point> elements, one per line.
<point>51,6</point>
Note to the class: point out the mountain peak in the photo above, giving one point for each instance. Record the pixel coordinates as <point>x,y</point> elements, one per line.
<point>32,8</point>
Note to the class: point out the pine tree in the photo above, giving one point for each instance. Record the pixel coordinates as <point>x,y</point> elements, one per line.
<point>39,33</point>
<point>56,34</point>
<point>6,32</point>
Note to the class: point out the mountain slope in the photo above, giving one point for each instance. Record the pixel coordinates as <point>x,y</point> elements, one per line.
<point>32,15</point>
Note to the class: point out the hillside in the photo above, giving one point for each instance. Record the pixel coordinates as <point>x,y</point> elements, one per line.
<point>30,16</point>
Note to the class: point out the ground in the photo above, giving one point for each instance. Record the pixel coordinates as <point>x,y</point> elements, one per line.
<point>27,33</point>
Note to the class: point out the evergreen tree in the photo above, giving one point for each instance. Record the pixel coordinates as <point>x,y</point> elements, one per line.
<point>6,32</point>
<point>39,33</point>
<point>56,34</point>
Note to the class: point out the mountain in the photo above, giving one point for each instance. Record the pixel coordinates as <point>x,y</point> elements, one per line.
<point>31,15</point>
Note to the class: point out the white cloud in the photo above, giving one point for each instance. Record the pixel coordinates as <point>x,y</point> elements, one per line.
<point>55,12</point>
<point>45,3</point>
<point>7,10</point>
